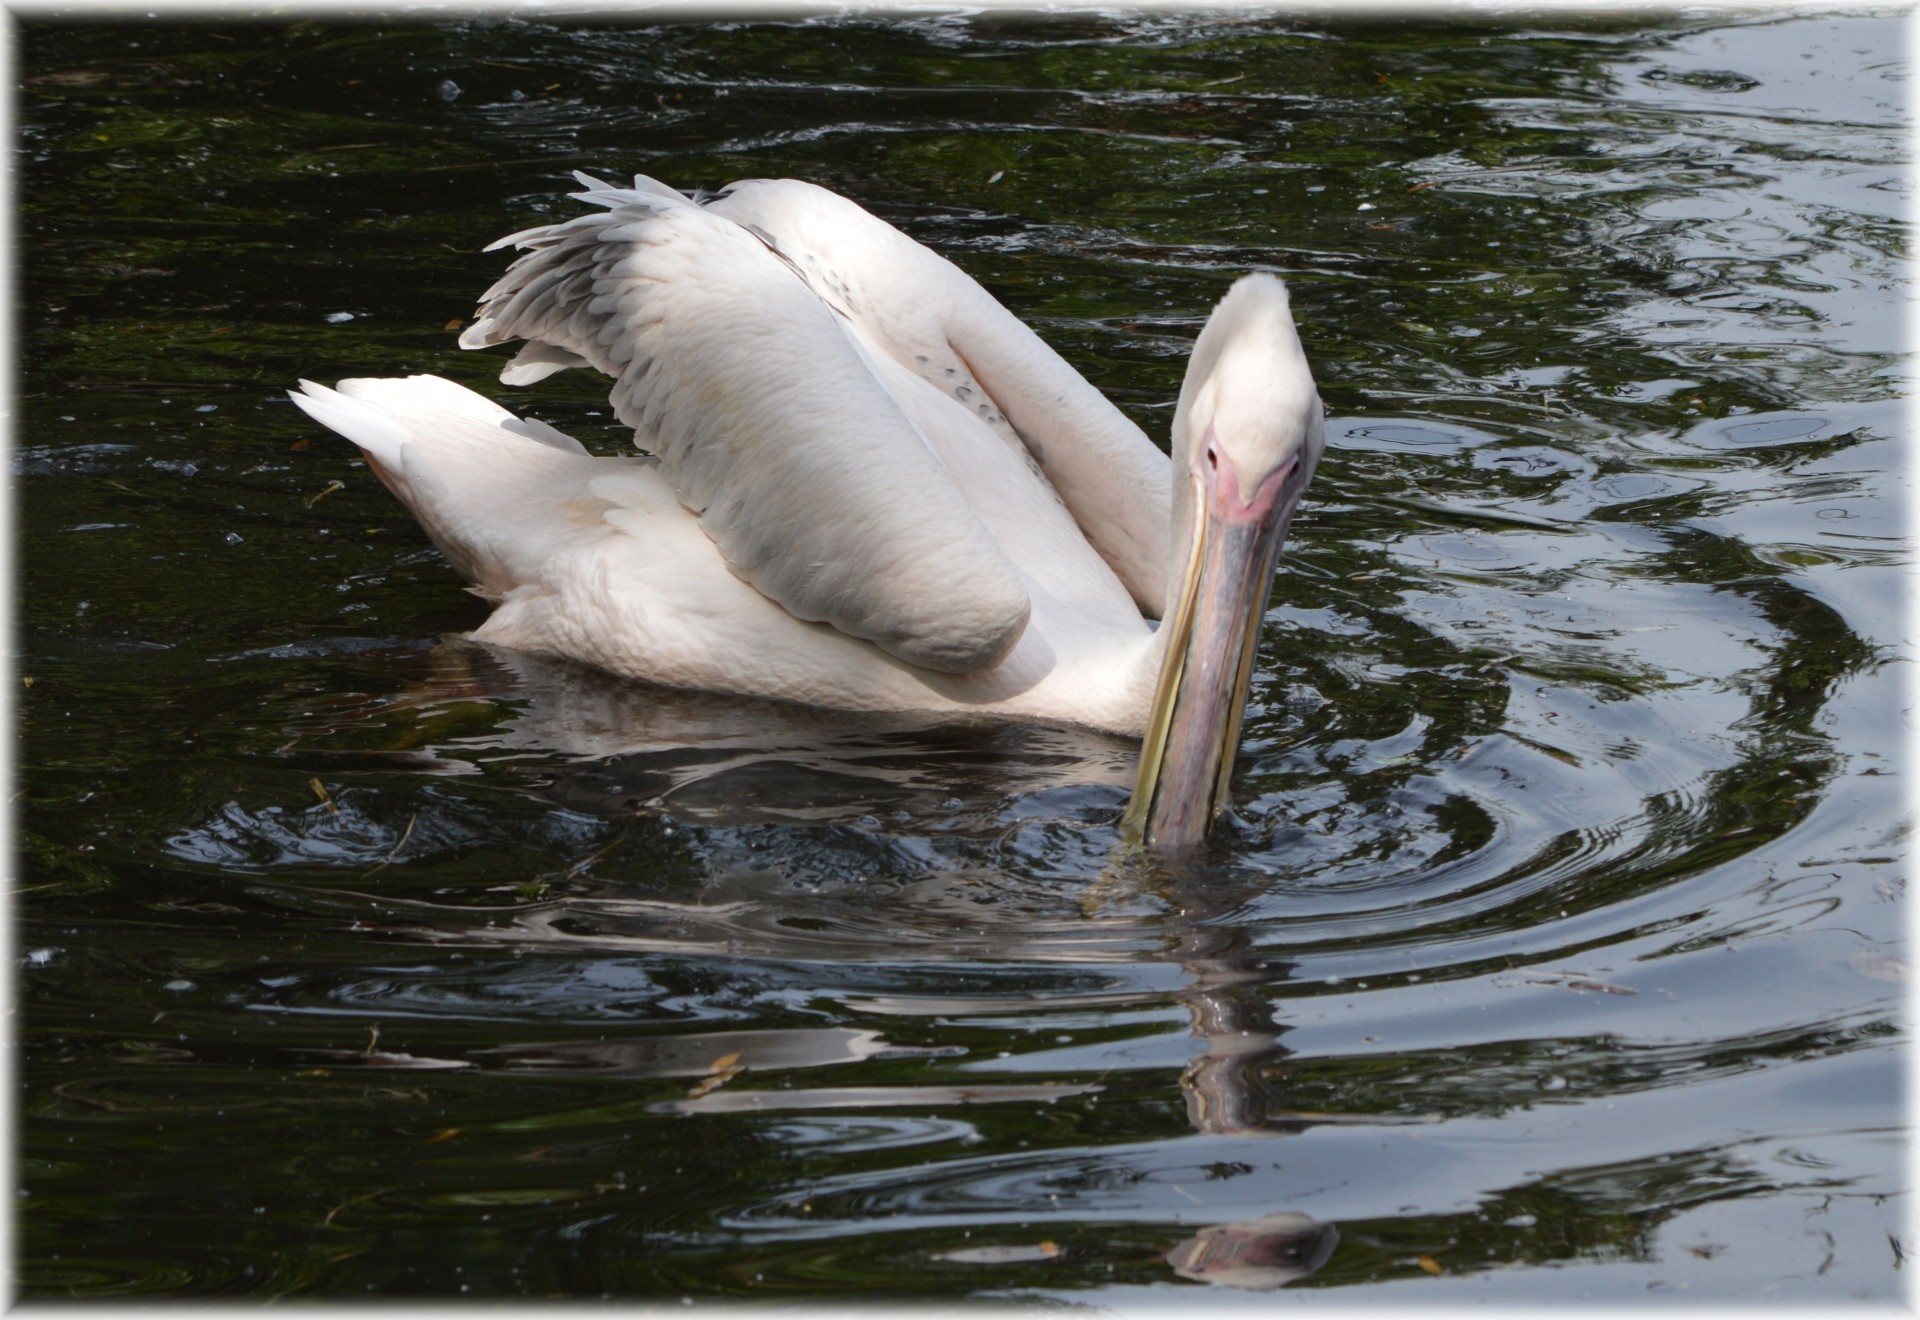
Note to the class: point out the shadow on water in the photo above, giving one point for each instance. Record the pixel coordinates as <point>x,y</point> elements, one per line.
<point>1553,950</point>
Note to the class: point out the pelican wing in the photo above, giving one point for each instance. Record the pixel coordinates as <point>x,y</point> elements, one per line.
<point>768,420</point>
<point>937,322</point>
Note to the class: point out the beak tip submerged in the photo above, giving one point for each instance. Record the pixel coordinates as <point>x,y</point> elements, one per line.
<point>1186,763</point>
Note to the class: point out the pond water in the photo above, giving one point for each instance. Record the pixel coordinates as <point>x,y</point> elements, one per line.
<point>1558,948</point>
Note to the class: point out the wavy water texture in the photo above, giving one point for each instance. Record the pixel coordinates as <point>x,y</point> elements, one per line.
<point>1554,947</point>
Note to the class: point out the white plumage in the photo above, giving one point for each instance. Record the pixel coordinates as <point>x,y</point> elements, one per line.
<point>868,485</point>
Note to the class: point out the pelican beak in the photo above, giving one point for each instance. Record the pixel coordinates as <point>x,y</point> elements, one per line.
<point>1193,729</point>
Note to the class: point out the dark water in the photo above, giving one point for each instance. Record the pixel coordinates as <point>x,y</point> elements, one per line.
<point>1559,952</point>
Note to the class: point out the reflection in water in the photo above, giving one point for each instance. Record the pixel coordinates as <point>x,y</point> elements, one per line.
<point>1228,1087</point>
<point>668,739</point>
<point>714,1056</point>
<point>720,759</point>
<point>1570,800</point>
<point>1260,1254</point>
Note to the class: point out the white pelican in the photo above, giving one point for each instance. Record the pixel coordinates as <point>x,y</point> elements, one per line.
<point>868,487</point>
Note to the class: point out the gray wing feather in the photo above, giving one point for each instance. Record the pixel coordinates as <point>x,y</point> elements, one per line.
<point>766,419</point>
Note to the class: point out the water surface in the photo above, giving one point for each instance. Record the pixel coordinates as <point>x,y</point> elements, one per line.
<point>1557,950</point>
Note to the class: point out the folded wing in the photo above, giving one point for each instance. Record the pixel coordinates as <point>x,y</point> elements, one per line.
<point>937,322</point>
<point>767,418</point>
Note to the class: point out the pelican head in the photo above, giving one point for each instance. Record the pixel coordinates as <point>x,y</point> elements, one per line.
<point>1246,436</point>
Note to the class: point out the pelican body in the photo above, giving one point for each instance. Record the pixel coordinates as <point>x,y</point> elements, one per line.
<point>864,484</point>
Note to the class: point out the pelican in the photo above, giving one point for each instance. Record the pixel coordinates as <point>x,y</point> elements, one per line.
<point>863,483</point>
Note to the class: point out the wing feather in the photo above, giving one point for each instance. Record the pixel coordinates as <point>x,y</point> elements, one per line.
<point>938,322</point>
<point>815,485</point>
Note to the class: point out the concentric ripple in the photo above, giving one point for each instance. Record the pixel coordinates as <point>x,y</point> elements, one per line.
<point>1553,948</point>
